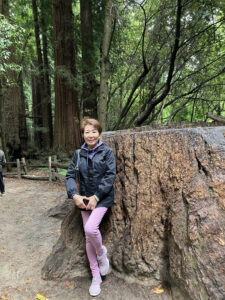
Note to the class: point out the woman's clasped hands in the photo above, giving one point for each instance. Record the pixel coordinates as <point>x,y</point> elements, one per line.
<point>80,202</point>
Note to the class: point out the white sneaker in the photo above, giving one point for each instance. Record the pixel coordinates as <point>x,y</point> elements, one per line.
<point>95,288</point>
<point>103,262</point>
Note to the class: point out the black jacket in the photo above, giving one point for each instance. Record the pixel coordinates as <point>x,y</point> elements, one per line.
<point>96,179</point>
<point>2,160</point>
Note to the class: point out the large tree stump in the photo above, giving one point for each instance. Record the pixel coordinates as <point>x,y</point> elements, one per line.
<point>168,223</point>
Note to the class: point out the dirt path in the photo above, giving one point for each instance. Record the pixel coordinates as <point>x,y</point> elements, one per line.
<point>27,236</point>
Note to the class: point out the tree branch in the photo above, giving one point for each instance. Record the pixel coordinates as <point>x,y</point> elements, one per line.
<point>215,118</point>
<point>145,115</point>
<point>146,70</point>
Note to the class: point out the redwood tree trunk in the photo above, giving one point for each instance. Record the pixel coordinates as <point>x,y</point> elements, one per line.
<point>22,118</point>
<point>66,128</point>
<point>2,122</point>
<point>4,7</point>
<point>46,69</point>
<point>89,88</point>
<point>36,108</point>
<point>103,94</point>
<point>44,99</point>
<point>10,102</point>
<point>3,11</point>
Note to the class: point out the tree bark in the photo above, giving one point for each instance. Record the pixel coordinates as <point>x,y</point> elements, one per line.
<point>4,8</point>
<point>44,99</point>
<point>89,86</point>
<point>23,134</point>
<point>36,107</point>
<point>105,65</point>
<point>11,109</point>
<point>10,94</point>
<point>216,118</point>
<point>2,122</point>
<point>168,223</point>
<point>47,80</point>
<point>66,130</point>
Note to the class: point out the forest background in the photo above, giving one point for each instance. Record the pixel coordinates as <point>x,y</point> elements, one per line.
<point>128,63</point>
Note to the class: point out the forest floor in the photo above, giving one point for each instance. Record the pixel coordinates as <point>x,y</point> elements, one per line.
<point>27,236</point>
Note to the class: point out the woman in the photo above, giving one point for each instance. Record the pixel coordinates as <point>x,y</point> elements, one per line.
<point>97,173</point>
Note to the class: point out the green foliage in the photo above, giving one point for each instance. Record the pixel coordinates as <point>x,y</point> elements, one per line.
<point>11,37</point>
<point>143,36</point>
<point>62,171</point>
<point>197,85</point>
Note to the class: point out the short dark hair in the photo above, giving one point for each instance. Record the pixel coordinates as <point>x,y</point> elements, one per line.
<point>88,121</point>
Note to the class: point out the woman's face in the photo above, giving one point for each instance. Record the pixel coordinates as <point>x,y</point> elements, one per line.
<point>91,136</point>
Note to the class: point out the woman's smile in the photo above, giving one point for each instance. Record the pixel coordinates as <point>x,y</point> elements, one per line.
<point>91,136</point>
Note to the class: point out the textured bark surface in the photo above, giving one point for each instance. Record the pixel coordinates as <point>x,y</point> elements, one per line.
<point>44,97</point>
<point>168,223</point>
<point>89,85</point>
<point>66,127</point>
<point>105,64</point>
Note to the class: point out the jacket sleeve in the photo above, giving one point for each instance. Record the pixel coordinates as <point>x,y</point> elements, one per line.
<point>3,160</point>
<point>108,179</point>
<point>71,186</point>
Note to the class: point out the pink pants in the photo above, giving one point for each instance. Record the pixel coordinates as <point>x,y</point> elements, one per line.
<point>91,222</point>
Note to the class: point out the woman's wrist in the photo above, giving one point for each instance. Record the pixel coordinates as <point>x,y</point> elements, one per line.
<point>96,198</point>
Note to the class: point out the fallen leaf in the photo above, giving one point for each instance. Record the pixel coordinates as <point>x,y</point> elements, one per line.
<point>41,297</point>
<point>157,290</point>
<point>4,298</point>
<point>160,291</point>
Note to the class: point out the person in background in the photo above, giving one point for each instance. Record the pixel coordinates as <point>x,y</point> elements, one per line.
<point>97,170</point>
<point>2,164</point>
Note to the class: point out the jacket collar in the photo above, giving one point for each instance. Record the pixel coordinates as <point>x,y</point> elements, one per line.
<point>98,148</point>
<point>85,147</point>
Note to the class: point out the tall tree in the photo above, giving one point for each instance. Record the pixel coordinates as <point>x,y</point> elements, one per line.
<point>12,103</point>
<point>36,106</point>
<point>4,10</point>
<point>4,7</point>
<point>23,134</point>
<point>46,69</point>
<point>9,97</point>
<point>105,72</point>
<point>2,119</point>
<point>89,87</point>
<point>43,83</point>
<point>66,128</point>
